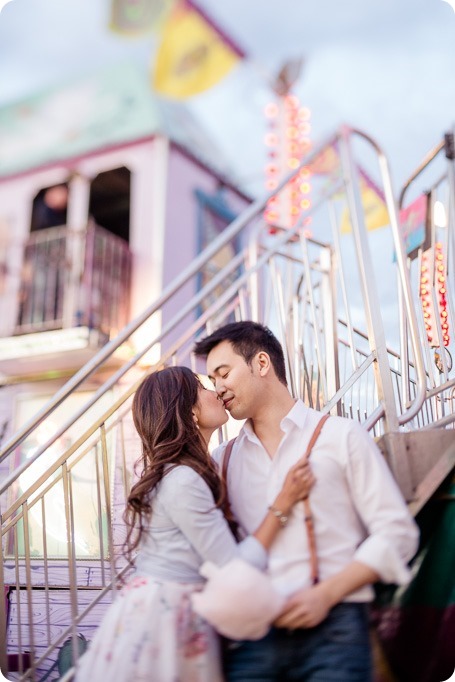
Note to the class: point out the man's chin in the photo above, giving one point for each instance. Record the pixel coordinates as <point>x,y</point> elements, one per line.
<point>236,414</point>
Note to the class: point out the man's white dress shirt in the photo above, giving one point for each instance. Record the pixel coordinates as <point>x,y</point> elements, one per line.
<point>359,513</point>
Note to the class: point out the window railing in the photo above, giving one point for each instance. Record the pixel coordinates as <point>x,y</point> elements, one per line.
<point>72,279</point>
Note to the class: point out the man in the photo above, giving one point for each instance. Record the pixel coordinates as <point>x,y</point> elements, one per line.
<point>363,530</point>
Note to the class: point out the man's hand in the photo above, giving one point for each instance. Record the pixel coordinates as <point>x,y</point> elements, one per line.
<point>308,607</point>
<point>305,608</point>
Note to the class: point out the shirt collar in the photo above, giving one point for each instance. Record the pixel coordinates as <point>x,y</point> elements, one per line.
<point>248,431</point>
<point>296,416</point>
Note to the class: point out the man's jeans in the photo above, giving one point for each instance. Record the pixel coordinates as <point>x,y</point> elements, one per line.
<point>337,649</point>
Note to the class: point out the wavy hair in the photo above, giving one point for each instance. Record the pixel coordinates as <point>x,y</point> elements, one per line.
<point>163,417</point>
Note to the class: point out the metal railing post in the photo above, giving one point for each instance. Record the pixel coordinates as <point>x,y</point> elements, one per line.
<point>3,614</point>
<point>329,311</point>
<point>374,322</point>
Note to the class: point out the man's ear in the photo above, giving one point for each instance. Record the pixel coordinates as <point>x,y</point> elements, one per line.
<point>263,363</point>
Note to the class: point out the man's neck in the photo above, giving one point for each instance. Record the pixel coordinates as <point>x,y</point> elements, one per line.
<point>266,422</point>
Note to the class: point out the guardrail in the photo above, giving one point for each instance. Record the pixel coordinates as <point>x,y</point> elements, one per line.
<point>307,290</point>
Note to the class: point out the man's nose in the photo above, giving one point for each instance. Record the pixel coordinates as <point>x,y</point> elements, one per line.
<point>219,387</point>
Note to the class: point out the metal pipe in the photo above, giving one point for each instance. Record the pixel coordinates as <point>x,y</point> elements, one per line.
<point>107,499</point>
<point>108,384</point>
<point>29,591</point>
<point>317,335</point>
<point>3,615</point>
<point>400,251</point>
<point>370,296</point>
<point>106,351</point>
<point>282,239</point>
<point>424,163</point>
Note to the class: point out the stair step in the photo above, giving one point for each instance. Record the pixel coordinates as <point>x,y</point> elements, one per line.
<point>420,462</point>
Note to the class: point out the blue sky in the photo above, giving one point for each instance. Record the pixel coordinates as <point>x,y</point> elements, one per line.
<point>385,66</point>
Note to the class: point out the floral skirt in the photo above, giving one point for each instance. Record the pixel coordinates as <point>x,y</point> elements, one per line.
<point>151,634</point>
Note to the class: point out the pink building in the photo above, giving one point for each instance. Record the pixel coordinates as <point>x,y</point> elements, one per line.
<point>106,194</point>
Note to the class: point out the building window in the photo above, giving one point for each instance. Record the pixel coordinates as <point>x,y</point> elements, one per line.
<point>110,201</point>
<point>214,215</point>
<point>50,207</point>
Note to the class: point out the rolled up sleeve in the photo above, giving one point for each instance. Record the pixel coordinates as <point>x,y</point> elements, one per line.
<point>392,532</point>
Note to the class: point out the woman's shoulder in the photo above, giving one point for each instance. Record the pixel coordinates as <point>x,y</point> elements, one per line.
<point>180,476</point>
<point>182,488</point>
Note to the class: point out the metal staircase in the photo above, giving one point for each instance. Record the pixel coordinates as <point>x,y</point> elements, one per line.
<point>322,298</point>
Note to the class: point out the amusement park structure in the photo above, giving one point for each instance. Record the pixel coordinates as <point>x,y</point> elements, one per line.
<point>105,310</point>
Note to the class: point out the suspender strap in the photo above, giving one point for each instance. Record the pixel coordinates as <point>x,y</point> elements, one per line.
<point>226,458</point>
<point>315,436</point>
<point>226,507</point>
<point>309,524</point>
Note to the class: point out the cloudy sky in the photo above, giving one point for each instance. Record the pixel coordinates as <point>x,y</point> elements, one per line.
<point>385,66</point>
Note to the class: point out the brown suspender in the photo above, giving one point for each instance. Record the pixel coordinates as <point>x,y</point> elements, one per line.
<point>226,458</point>
<point>309,522</point>
<point>226,503</point>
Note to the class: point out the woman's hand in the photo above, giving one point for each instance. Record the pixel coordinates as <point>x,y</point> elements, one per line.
<point>296,486</point>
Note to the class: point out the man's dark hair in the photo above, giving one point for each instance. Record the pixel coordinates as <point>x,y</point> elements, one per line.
<point>247,339</point>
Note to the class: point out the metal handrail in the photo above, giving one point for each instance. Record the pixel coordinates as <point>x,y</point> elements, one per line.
<point>106,351</point>
<point>447,176</point>
<point>302,303</point>
<point>404,279</point>
<point>432,154</point>
<point>120,372</point>
<point>226,236</point>
<point>65,462</point>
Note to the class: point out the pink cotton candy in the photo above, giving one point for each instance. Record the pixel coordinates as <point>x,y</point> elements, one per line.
<point>238,600</point>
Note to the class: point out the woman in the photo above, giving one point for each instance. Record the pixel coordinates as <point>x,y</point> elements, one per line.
<point>175,522</point>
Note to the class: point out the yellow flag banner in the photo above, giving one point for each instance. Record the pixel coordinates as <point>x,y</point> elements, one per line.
<point>193,56</point>
<point>374,206</point>
<point>135,18</point>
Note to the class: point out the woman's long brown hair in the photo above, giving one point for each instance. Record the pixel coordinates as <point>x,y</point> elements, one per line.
<point>163,417</point>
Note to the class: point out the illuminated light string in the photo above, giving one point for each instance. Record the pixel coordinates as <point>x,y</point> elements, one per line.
<point>287,140</point>
<point>433,269</point>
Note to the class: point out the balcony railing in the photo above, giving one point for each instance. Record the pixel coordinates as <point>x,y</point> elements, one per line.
<point>73,279</point>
